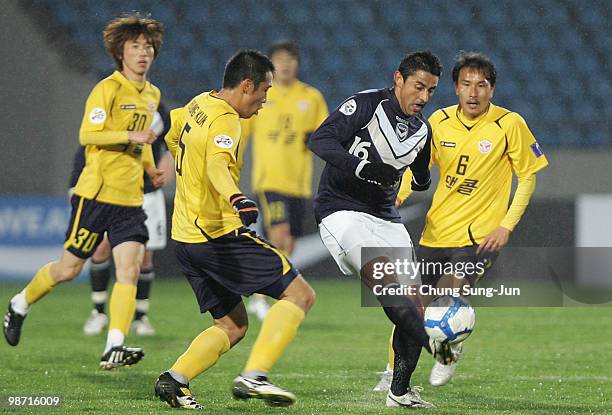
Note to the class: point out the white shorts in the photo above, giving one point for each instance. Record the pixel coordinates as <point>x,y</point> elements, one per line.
<point>155,208</point>
<point>344,233</point>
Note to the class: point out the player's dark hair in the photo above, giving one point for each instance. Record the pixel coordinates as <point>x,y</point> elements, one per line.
<point>246,64</point>
<point>287,46</point>
<point>476,60</point>
<point>130,27</point>
<point>420,61</point>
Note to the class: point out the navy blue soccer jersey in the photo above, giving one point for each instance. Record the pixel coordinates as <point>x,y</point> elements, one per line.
<point>369,126</point>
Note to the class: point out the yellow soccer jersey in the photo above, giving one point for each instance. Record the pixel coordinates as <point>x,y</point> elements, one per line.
<point>113,171</point>
<point>209,126</point>
<point>476,164</point>
<point>281,161</point>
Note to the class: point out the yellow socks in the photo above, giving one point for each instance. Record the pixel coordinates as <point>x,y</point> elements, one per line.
<point>40,285</point>
<point>391,352</point>
<point>203,353</point>
<point>277,331</point>
<point>122,305</point>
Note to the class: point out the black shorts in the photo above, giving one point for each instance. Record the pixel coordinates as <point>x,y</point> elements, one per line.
<point>225,268</point>
<point>90,219</point>
<point>462,262</point>
<point>279,208</point>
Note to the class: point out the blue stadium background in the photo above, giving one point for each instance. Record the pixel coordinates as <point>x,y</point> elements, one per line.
<point>553,57</point>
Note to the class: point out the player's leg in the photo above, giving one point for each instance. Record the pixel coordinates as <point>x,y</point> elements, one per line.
<point>230,326</point>
<point>141,324</point>
<point>155,208</point>
<point>277,331</point>
<point>127,257</point>
<point>99,276</point>
<point>172,386</point>
<point>43,282</point>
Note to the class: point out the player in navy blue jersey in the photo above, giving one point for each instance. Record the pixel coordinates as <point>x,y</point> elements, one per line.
<point>368,142</point>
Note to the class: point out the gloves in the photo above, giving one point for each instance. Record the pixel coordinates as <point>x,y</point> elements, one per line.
<point>419,187</point>
<point>379,173</point>
<point>245,207</point>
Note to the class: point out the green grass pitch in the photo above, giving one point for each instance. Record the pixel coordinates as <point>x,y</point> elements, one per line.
<point>519,360</point>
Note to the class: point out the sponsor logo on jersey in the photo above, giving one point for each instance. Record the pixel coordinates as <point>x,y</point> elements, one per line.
<point>223,141</point>
<point>128,107</point>
<point>448,144</point>
<point>537,150</point>
<point>97,115</point>
<point>349,107</point>
<point>400,119</point>
<point>485,146</point>
<point>401,130</point>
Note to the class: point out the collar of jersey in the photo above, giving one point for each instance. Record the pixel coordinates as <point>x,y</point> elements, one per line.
<point>471,123</point>
<point>137,86</point>
<point>215,94</point>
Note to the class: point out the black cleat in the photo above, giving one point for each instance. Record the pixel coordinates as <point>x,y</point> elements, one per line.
<point>12,326</point>
<point>121,356</point>
<point>174,393</point>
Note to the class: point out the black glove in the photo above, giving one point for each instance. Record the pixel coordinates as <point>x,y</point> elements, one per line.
<point>419,187</point>
<point>245,207</point>
<point>379,173</point>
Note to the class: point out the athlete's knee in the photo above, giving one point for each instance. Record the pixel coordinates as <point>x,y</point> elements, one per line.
<point>235,331</point>
<point>300,293</point>
<point>63,272</point>
<point>127,273</point>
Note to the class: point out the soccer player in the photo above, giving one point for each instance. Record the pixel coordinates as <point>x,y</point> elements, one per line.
<point>477,146</point>
<point>282,164</point>
<point>108,195</point>
<point>155,208</point>
<point>220,257</point>
<point>367,142</point>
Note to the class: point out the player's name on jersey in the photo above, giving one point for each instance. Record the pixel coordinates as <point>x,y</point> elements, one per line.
<point>466,290</point>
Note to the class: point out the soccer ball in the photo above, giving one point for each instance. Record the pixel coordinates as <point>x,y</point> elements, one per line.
<point>449,319</point>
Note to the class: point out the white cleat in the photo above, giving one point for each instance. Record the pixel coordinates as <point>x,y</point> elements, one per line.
<point>258,306</point>
<point>95,324</point>
<point>411,399</point>
<point>384,384</point>
<point>143,327</point>
<point>442,374</point>
<point>260,388</point>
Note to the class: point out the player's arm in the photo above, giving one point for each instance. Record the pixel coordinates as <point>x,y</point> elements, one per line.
<point>527,159</point>
<point>331,140</point>
<point>421,178</point>
<point>222,150</point>
<point>177,121</point>
<point>408,182</point>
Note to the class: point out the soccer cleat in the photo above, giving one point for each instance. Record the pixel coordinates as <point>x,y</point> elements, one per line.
<point>411,399</point>
<point>384,384</point>
<point>260,388</point>
<point>143,327</point>
<point>174,393</point>
<point>121,356</point>
<point>95,324</point>
<point>442,374</point>
<point>12,326</point>
<point>443,352</point>
<point>258,306</point>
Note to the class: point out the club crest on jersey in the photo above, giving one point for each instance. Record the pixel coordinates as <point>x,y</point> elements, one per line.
<point>97,115</point>
<point>151,107</point>
<point>485,146</point>
<point>223,141</point>
<point>401,130</point>
<point>537,150</point>
<point>302,105</point>
<point>349,107</point>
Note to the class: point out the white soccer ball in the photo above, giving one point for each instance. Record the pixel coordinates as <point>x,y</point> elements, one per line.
<point>449,319</point>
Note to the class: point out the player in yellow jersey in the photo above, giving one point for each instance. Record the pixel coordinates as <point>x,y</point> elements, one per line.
<point>108,196</point>
<point>477,146</point>
<point>282,164</point>
<point>220,257</point>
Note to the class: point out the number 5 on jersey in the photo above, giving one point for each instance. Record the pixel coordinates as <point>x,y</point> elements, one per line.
<point>179,157</point>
